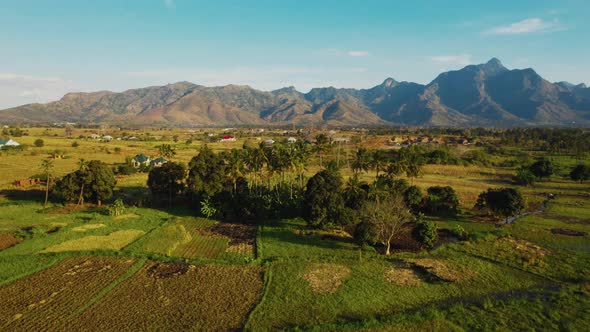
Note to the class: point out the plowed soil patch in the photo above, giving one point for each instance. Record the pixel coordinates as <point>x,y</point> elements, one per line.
<point>45,300</point>
<point>7,240</point>
<point>177,297</point>
<point>326,278</point>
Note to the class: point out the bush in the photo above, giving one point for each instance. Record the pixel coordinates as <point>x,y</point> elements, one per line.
<point>503,202</point>
<point>413,197</point>
<point>580,173</point>
<point>525,177</point>
<point>425,232</point>
<point>460,232</point>
<point>542,169</point>
<point>75,144</point>
<point>442,201</point>
<point>117,208</point>
<point>39,143</point>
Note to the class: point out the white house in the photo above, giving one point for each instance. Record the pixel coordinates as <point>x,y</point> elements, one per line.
<point>107,137</point>
<point>8,142</point>
<point>291,140</point>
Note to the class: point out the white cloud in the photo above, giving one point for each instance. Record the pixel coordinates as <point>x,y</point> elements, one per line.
<point>357,54</point>
<point>169,4</point>
<point>460,59</point>
<point>18,89</point>
<point>526,26</point>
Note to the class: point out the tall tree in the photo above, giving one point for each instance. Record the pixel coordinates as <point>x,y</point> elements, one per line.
<point>502,202</point>
<point>385,218</point>
<point>47,167</point>
<point>167,151</point>
<point>167,180</point>
<point>323,201</point>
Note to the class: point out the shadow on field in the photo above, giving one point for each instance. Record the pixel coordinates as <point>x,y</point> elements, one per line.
<point>35,195</point>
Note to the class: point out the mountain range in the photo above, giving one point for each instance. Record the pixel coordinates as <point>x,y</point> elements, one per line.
<point>478,95</point>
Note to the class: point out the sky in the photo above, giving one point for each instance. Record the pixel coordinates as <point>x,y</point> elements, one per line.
<point>51,47</point>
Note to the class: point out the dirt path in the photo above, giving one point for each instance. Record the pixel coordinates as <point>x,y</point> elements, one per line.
<point>542,209</point>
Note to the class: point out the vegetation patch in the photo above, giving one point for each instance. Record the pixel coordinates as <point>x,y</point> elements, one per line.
<point>402,276</point>
<point>441,270</point>
<point>177,297</point>
<point>326,278</point>
<point>114,241</point>
<point>8,240</point>
<point>45,300</point>
<point>126,216</point>
<point>88,227</point>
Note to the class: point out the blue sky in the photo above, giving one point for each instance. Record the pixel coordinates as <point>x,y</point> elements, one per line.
<point>53,47</point>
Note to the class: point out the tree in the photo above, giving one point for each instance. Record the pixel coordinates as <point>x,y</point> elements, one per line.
<point>208,174</point>
<point>166,151</point>
<point>69,130</point>
<point>425,232</point>
<point>167,180</point>
<point>413,197</point>
<point>356,192</point>
<point>93,180</point>
<point>580,173</point>
<point>323,201</point>
<point>525,177</point>
<point>361,161</point>
<point>384,218</point>
<point>322,144</point>
<point>442,201</point>
<point>542,168</point>
<point>47,168</point>
<point>504,202</point>
<point>39,143</point>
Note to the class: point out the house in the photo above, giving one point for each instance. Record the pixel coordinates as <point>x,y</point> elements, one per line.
<point>95,136</point>
<point>140,160</point>
<point>228,138</point>
<point>8,142</point>
<point>291,140</point>
<point>158,162</point>
<point>107,137</point>
<point>269,142</point>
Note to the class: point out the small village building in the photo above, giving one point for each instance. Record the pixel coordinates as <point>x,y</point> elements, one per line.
<point>158,162</point>
<point>107,137</point>
<point>8,142</point>
<point>95,136</point>
<point>140,160</point>
<point>269,142</point>
<point>291,140</point>
<point>228,138</point>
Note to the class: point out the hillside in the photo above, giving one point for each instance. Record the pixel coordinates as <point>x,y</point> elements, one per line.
<point>478,95</point>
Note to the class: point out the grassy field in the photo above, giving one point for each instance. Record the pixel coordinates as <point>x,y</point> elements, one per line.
<point>178,271</point>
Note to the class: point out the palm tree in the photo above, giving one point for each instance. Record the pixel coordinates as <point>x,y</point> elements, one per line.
<point>378,161</point>
<point>236,166</point>
<point>166,151</point>
<point>47,167</point>
<point>361,161</point>
<point>82,170</point>
<point>322,144</point>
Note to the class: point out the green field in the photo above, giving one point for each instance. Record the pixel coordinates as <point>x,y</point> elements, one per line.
<point>184,272</point>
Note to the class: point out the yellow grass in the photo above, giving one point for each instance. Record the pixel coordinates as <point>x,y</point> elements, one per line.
<point>114,241</point>
<point>88,227</point>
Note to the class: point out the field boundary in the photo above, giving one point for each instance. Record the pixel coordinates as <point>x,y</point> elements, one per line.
<point>267,283</point>
<point>105,291</point>
<point>31,272</point>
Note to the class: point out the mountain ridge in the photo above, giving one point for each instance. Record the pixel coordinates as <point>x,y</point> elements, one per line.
<point>487,94</point>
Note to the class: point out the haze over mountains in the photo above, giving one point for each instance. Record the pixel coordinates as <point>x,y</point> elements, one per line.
<point>478,95</point>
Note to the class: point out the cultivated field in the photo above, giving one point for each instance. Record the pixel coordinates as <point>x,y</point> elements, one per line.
<point>162,266</point>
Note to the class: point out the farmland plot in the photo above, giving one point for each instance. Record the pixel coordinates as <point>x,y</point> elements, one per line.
<point>177,296</point>
<point>46,300</point>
